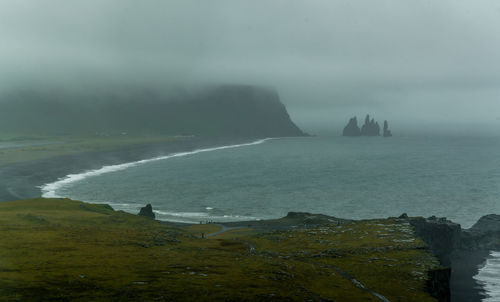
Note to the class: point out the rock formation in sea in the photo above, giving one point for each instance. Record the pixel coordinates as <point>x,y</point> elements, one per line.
<point>352,128</point>
<point>369,128</point>
<point>147,211</point>
<point>387,132</point>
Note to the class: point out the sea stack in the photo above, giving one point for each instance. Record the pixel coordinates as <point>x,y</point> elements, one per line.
<point>369,128</point>
<point>352,128</point>
<point>387,132</point>
<point>147,211</point>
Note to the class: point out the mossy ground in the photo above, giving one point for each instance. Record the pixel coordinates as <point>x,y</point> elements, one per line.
<point>59,249</point>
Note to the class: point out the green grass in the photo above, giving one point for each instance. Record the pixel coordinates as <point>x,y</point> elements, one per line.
<point>59,249</point>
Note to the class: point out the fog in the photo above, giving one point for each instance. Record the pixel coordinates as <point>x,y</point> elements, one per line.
<point>415,63</point>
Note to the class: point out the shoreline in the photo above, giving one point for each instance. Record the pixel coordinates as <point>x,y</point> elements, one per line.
<point>324,257</point>
<point>49,189</point>
<point>23,180</point>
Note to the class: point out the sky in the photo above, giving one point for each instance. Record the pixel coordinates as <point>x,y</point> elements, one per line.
<point>416,63</point>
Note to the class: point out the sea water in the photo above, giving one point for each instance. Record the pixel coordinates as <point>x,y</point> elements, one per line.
<point>364,177</point>
<point>456,177</point>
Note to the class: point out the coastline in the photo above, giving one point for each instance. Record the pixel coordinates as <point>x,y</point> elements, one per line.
<point>23,180</point>
<point>465,265</point>
<point>300,257</point>
<point>49,190</point>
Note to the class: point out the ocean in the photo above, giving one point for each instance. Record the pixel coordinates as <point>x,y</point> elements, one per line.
<point>457,177</point>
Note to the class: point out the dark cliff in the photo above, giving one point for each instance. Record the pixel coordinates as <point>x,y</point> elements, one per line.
<point>441,235</point>
<point>222,111</point>
<point>462,250</point>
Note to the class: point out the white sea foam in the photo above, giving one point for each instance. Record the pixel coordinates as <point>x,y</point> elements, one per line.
<point>182,214</point>
<point>191,217</point>
<point>50,190</point>
<point>489,277</point>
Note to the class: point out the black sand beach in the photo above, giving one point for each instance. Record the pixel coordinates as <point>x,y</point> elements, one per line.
<point>22,180</point>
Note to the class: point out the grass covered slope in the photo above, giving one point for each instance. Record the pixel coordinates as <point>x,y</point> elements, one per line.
<point>62,249</point>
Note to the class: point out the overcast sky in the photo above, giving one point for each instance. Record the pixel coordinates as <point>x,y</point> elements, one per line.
<point>407,61</point>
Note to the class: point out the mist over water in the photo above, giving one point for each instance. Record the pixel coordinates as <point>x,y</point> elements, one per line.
<point>413,63</point>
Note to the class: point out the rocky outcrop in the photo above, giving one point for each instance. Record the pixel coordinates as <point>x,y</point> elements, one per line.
<point>483,235</point>
<point>242,111</point>
<point>488,223</point>
<point>441,235</point>
<point>352,128</point>
<point>147,211</point>
<point>369,128</point>
<point>446,238</point>
<point>387,132</point>
<point>462,250</point>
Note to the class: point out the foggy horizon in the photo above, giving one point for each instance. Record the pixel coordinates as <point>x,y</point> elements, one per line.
<point>416,64</point>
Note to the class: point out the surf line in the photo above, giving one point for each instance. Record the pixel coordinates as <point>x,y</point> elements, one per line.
<point>488,277</point>
<point>49,190</point>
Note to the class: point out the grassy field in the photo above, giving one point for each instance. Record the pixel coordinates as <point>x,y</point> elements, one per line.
<point>59,249</point>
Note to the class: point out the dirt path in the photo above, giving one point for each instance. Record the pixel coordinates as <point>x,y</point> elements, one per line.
<point>222,230</point>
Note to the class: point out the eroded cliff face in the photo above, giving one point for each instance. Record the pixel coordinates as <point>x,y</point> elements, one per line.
<point>459,250</point>
<point>244,111</point>
<point>441,235</point>
<point>438,284</point>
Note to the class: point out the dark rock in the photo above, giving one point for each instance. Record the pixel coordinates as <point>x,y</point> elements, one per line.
<point>403,216</point>
<point>442,236</point>
<point>297,215</point>
<point>438,284</point>
<point>352,128</point>
<point>147,211</point>
<point>370,128</point>
<point>488,223</point>
<point>387,132</point>
<point>239,111</point>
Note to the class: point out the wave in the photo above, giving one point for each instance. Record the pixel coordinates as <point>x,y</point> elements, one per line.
<point>50,190</point>
<point>190,217</point>
<point>489,277</point>
<point>183,214</point>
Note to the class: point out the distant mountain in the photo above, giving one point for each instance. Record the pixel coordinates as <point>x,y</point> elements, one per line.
<point>229,111</point>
